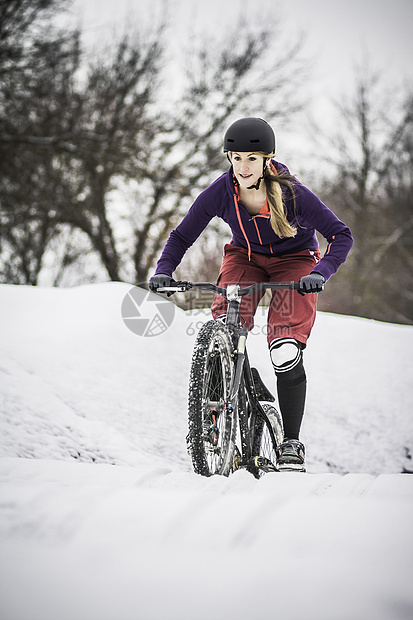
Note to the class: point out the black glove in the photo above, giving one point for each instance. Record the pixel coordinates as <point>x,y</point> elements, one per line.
<point>159,280</point>
<point>313,283</point>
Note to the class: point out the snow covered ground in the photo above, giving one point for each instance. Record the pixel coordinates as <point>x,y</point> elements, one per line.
<point>102,518</point>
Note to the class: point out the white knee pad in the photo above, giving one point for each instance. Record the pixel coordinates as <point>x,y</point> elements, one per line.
<point>285,354</point>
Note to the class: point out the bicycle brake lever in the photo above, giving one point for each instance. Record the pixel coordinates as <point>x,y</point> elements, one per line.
<point>176,287</point>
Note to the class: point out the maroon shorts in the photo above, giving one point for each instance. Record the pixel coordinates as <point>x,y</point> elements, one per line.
<point>290,314</point>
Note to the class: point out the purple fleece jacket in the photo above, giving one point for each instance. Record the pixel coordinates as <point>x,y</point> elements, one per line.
<point>256,234</point>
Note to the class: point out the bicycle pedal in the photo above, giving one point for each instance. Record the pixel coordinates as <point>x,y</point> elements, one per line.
<point>261,462</point>
<point>236,460</point>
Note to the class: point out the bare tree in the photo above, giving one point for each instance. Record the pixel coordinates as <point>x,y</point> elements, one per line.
<point>36,66</point>
<point>65,140</point>
<point>81,138</point>
<point>22,22</point>
<point>373,193</point>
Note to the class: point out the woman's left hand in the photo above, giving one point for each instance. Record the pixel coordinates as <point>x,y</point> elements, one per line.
<point>313,283</point>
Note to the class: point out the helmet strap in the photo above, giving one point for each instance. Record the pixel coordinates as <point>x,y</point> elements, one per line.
<point>258,183</point>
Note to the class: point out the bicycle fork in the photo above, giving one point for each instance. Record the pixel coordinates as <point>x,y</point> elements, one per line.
<point>239,366</point>
<point>235,400</point>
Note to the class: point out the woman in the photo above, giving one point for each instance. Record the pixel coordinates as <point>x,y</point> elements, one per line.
<point>273,219</point>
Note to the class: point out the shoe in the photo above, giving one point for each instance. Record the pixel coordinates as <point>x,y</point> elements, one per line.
<point>291,455</point>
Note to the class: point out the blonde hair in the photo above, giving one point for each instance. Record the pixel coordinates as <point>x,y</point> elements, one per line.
<point>274,181</point>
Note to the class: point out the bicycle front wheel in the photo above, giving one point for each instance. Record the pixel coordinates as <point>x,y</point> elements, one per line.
<point>211,424</point>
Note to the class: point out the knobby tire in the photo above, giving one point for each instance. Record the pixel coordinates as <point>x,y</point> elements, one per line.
<point>212,369</point>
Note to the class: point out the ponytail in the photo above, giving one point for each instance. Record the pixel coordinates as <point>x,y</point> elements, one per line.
<point>274,182</point>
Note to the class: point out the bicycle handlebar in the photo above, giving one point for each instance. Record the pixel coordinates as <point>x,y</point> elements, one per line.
<point>183,286</point>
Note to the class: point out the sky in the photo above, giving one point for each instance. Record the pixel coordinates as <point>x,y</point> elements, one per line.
<point>338,35</point>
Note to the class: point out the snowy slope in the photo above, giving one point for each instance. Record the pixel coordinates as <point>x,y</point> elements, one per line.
<point>101,516</point>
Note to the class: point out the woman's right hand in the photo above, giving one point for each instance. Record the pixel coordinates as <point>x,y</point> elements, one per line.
<point>159,280</point>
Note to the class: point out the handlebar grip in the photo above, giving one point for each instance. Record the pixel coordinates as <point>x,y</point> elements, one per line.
<point>175,287</point>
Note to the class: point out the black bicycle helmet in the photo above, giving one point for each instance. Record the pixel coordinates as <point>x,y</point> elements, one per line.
<point>249,134</point>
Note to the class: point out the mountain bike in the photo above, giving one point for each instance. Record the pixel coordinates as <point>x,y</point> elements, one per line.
<point>231,424</point>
